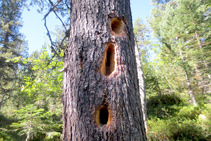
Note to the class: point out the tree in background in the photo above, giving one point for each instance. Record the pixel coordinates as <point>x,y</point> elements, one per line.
<point>182,30</point>
<point>160,1</point>
<point>38,103</point>
<point>12,45</point>
<point>36,95</point>
<point>142,35</point>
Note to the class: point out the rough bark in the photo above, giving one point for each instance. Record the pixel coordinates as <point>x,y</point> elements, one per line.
<point>141,87</point>
<point>101,98</point>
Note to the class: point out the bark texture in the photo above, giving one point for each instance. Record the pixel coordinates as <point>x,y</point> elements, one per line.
<point>141,87</point>
<point>101,98</point>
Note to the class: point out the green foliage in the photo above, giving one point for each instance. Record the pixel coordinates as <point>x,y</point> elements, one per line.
<point>181,46</point>
<point>34,122</point>
<point>30,120</point>
<point>182,58</point>
<point>12,44</point>
<point>142,37</point>
<point>163,106</point>
<point>38,105</point>
<point>189,112</point>
<point>185,130</point>
<point>204,120</point>
<point>154,101</point>
<point>182,63</point>
<point>43,89</point>
<point>6,132</point>
<point>170,118</point>
<point>45,81</point>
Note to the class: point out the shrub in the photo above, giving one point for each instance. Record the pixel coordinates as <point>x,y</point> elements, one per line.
<point>204,120</point>
<point>172,99</point>
<point>158,129</point>
<point>163,106</point>
<point>186,130</point>
<point>36,123</point>
<point>189,112</point>
<point>174,129</point>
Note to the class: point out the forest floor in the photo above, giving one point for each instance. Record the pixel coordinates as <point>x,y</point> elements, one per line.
<point>170,117</point>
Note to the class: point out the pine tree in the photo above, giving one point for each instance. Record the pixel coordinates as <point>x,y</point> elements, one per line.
<point>161,1</point>
<point>11,45</point>
<point>181,27</point>
<point>101,95</point>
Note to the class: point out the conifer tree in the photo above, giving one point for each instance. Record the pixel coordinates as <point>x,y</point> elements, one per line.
<point>101,94</point>
<point>181,26</point>
<point>11,45</point>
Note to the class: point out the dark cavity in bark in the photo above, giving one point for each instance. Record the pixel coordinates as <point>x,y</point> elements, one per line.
<point>103,116</point>
<point>117,25</point>
<point>108,65</point>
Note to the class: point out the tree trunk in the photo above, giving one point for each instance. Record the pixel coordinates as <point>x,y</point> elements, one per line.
<point>202,54</point>
<point>205,81</point>
<point>101,98</point>
<point>101,94</point>
<point>141,87</point>
<point>190,91</point>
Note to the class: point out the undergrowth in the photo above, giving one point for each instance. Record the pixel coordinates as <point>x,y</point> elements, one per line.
<point>171,118</point>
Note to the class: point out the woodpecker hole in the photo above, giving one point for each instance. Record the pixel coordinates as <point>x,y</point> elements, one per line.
<point>108,65</point>
<point>117,25</point>
<point>103,116</point>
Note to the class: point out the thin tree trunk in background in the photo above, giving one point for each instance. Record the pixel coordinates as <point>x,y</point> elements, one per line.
<point>200,47</point>
<point>205,81</point>
<point>190,91</point>
<point>168,82</point>
<point>141,87</point>
<point>199,79</point>
<point>101,98</point>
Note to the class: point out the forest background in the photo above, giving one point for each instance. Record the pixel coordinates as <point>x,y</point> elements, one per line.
<point>174,46</point>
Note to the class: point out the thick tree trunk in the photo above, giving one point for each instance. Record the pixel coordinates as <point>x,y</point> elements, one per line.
<point>101,94</point>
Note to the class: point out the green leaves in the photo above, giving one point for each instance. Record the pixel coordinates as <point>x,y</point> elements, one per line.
<point>52,135</point>
<point>39,97</point>
<point>182,64</point>
<point>181,27</point>
<point>29,120</point>
<point>33,121</point>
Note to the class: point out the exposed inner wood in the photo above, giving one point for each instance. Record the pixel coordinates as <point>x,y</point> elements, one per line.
<point>108,65</point>
<point>117,25</point>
